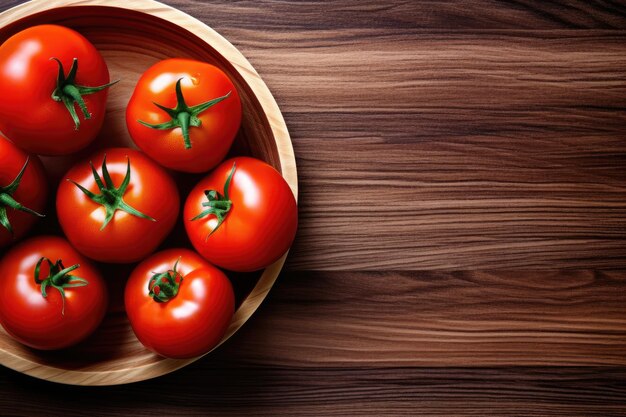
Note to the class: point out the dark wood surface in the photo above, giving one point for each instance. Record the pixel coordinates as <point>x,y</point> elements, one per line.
<point>462,247</point>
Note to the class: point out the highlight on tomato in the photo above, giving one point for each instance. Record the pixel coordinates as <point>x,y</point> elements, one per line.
<point>184,114</point>
<point>117,206</point>
<point>54,83</point>
<point>178,304</point>
<point>23,191</point>
<point>242,216</point>
<point>52,297</point>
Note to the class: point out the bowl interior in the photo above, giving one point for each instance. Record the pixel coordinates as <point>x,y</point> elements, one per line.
<point>130,42</point>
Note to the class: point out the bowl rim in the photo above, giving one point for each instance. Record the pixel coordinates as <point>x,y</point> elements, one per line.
<point>288,170</point>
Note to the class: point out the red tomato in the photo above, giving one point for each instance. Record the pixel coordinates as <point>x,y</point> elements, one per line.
<point>184,114</point>
<point>23,190</point>
<point>178,304</point>
<point>244,222</point>
<point>43,111</point>
<point>56,306</point>
<point>119,211</point>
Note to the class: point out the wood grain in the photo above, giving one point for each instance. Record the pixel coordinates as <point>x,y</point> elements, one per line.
<point>458,151</point>
<point>447,151</point>
<point>233,390</point>
<point>405,319</point>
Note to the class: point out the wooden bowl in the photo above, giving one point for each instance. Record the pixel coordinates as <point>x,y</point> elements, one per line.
<point>132,35</point>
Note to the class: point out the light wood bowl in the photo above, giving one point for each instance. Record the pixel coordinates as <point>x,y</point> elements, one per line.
<point>132,35</point>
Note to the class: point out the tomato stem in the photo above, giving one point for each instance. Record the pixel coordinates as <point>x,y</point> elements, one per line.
<point>111,197</point>
<point>7,200</point>
<point>59,278</point>
<point>69,93</point>
<point>163,286</point>
<point>183,121</point>
<point>183,116</point>
<point>217,204</point>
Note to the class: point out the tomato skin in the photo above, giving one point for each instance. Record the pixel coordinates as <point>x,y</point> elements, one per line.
<point>191,323</point>
<point>201,82</point>
<point>28,114</point>
<point>32,191</point>
<point>260,226</point>
<point>36,321</point>
<point>126,238</point>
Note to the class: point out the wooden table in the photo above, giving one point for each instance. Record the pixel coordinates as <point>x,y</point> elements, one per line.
<point>462,247</point>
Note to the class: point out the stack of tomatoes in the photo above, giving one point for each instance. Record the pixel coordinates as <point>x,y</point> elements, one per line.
<point>119,204</point>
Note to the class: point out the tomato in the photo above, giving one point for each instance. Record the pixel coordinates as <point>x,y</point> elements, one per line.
<point>23,190</point>
<point>117,206</point>
<point>184,114</point>
<point>178,304</point>
<point>53,83</point>
<point>243,216</point>
<point>52,297</point>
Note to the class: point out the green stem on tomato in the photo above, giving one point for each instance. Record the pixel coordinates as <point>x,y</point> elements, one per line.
<point>58,278</point>
<point>68,92</point>
<point>218,205</point>
<point>111,197</point>
<point>7,201</point>
<point>183,116</point>
<point>163,286</point>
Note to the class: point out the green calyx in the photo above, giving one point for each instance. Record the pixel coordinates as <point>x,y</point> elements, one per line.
<point>110,197</point>
<point>182,115</point>
<point>7,200</point>
<point>68,92</point>
<point>217,204</point>
<point>59,278</point>
<point>163,286</point>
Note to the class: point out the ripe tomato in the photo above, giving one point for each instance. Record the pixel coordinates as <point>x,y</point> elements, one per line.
<point>47,73</point>
<point>243,216</point>
<point>23,190</point>
<point>122,214</point>
<point>184,114</point>
<point>52,297</point>
<point>178,304</point>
